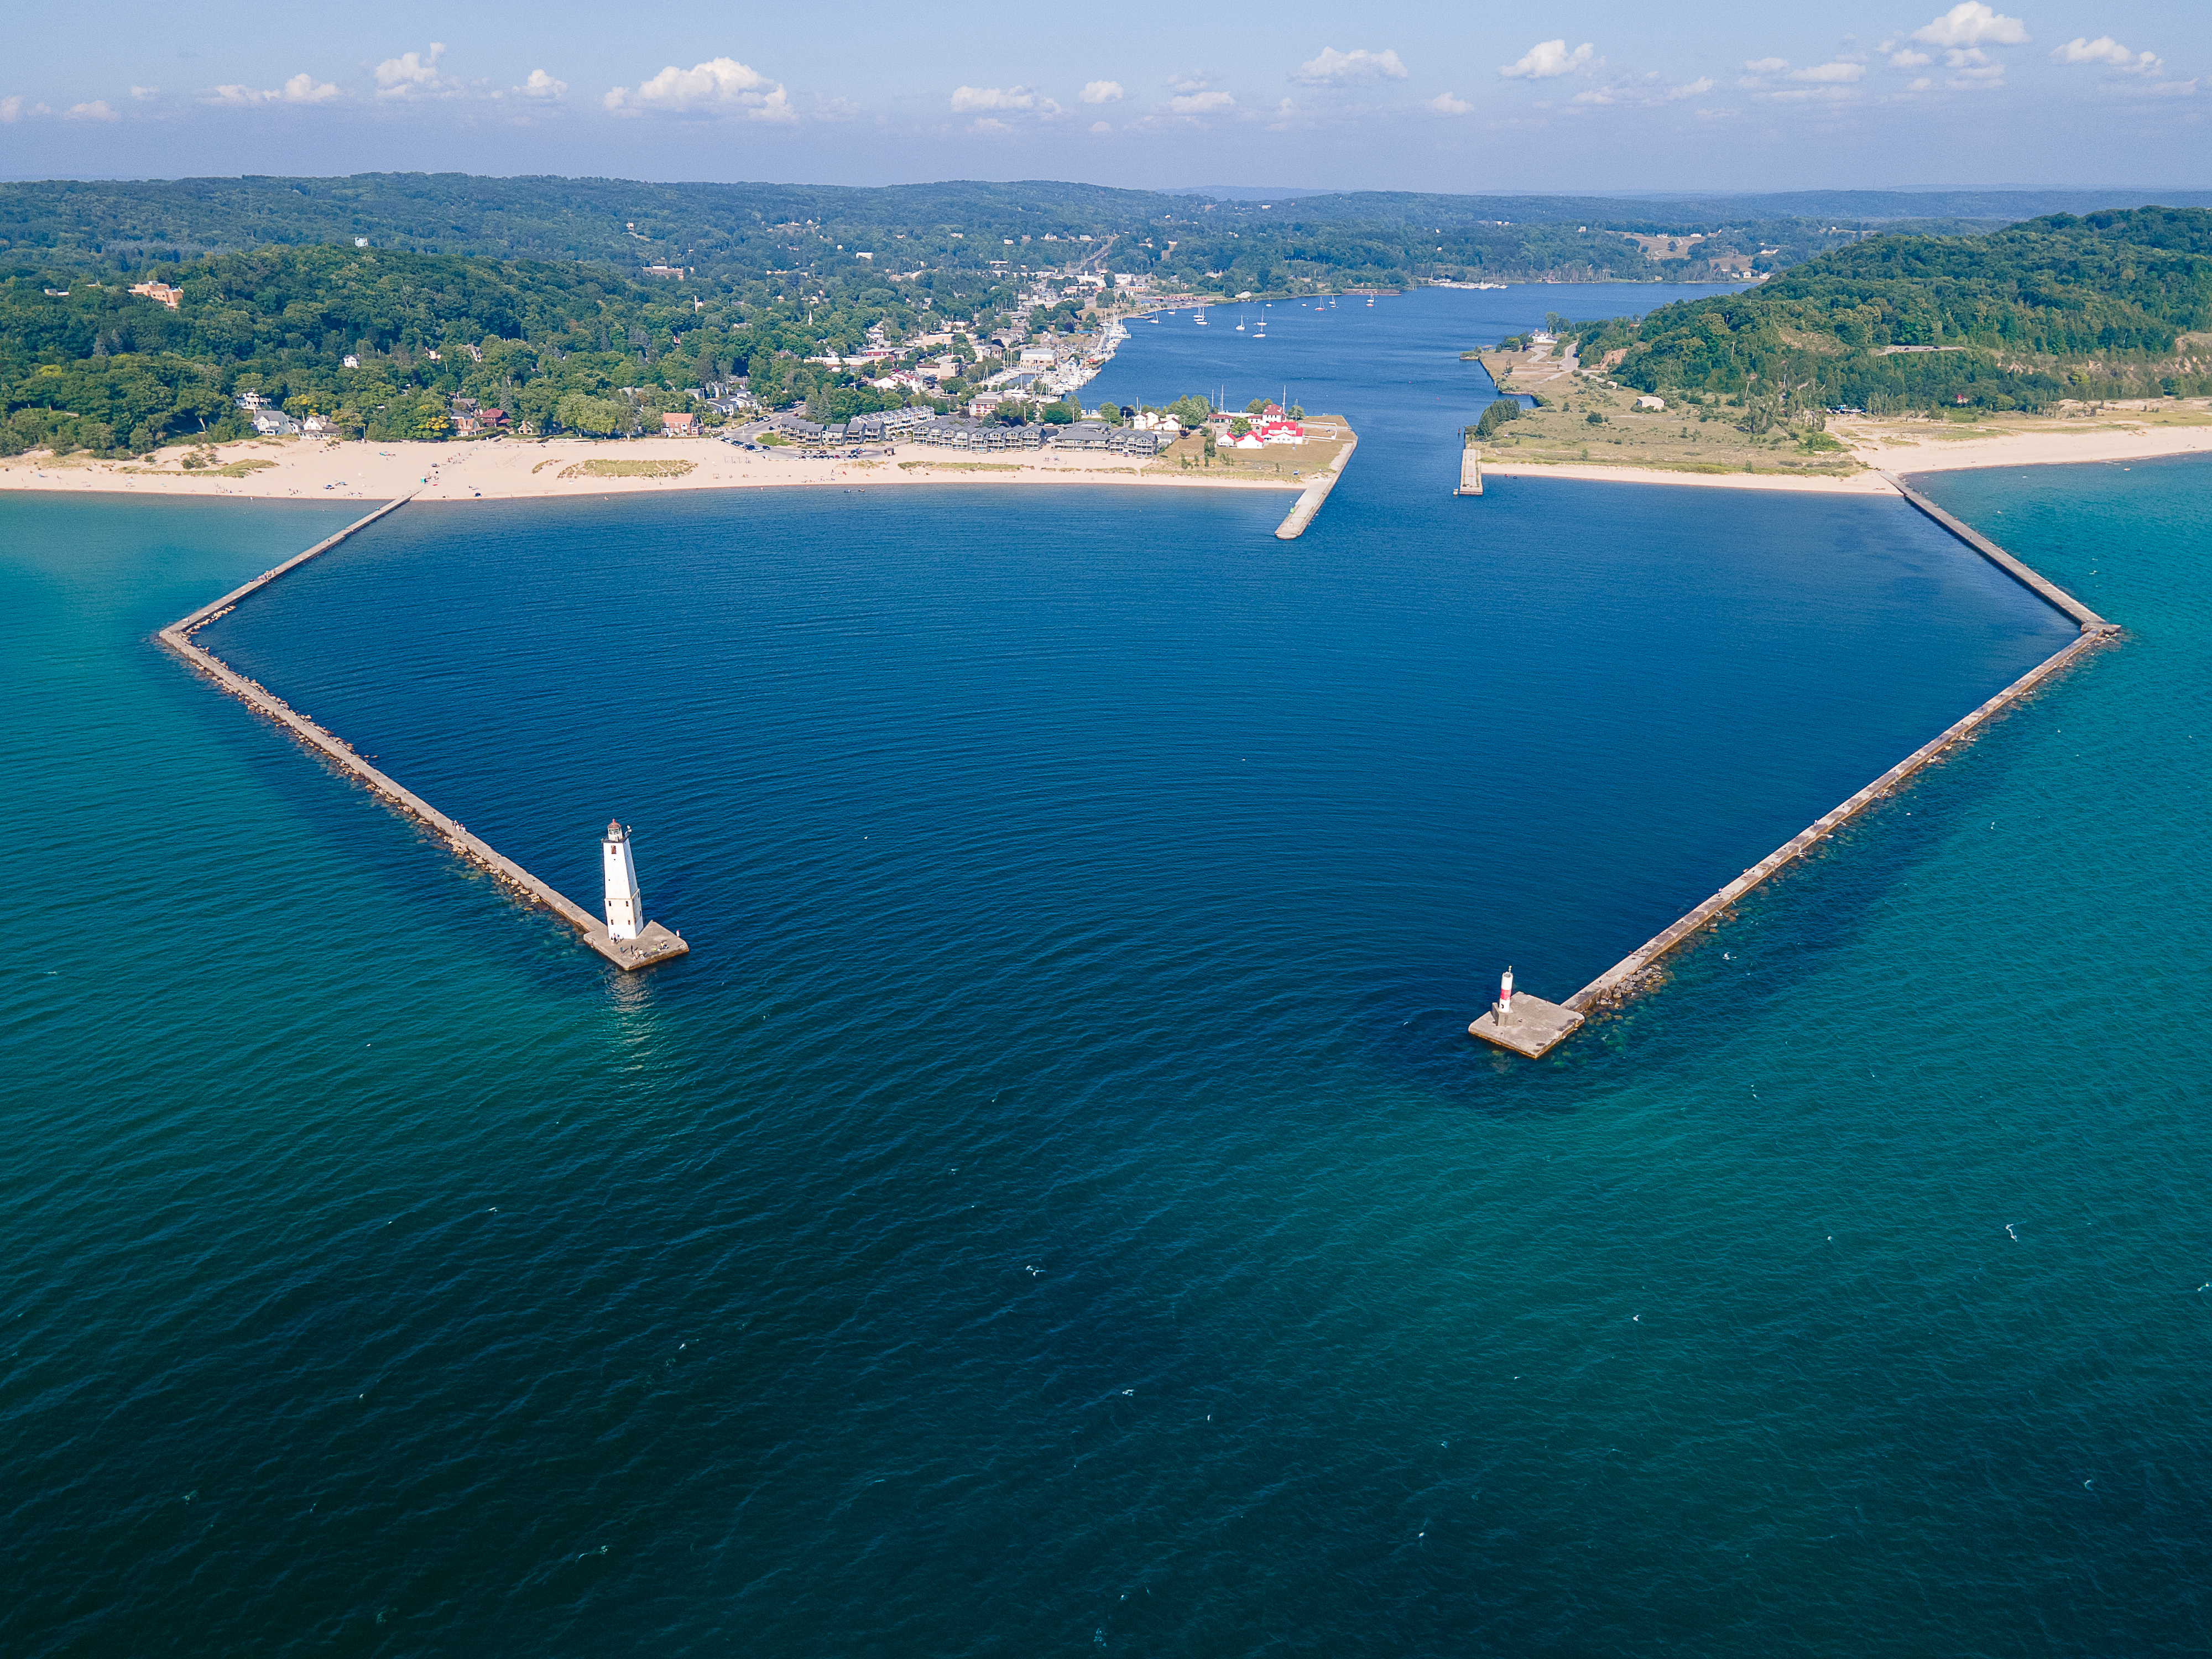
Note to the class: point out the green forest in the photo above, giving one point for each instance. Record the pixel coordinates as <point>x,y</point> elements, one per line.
<point>588,305</point>
<point>558,344</point>
<point>732,235</point>
<point>2086,308</point>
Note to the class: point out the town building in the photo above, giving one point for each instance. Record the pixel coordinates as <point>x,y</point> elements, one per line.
<point>884,425</point>
<point>952,432</point>
<point>160,292</point>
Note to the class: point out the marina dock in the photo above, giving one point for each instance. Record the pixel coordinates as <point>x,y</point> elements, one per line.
<point>654,943</point>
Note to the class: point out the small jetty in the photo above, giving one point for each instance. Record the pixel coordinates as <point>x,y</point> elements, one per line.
<point>1470,465</point>
<point>1309,502</point>
<point>1543,1025</point>
<point>651,943</point>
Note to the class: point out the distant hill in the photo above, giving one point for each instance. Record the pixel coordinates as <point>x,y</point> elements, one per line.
<point>1218,241</point>
<point>2103,305</point>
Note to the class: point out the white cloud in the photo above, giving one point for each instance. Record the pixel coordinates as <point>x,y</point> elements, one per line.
<point>967,98</point>
<point>302,89</point>
<point>1697,89</point>
<point>13,110</point>
<point>1766,65</point>
<point>1445,104</point>
<point>1197,81</point>
<point>1103,92</point>
<point>543,87</point>
<point>988,127</point>
<point>1970,23</point>
<point>721,85</point>
<point>1202,103</point>
<point>2105,50</point>
<point>1836,72</point>
<point>141,94</point>
<point>411,74</point>
<point>1906,59</point>
<point>1336,69</point>
<point>1548,59</point>
<point>95,111</point>
<point>1101,126</point>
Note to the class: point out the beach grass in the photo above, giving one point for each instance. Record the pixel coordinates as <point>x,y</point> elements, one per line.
<point>603,468</point>
<point>228,470</point>
<point>1673,439</point>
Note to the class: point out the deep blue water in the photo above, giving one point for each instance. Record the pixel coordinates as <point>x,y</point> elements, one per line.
<point>1057,1208</point>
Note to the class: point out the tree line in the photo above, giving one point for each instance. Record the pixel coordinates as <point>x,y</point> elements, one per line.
<point>2087,307</point>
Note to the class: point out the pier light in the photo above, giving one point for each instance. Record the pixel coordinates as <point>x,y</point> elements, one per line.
<point>625,903</point>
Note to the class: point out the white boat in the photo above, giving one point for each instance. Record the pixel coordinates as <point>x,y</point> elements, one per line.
<point>1200,319</point>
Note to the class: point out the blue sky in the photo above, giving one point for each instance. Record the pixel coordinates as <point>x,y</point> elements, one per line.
<point>1875,94</point>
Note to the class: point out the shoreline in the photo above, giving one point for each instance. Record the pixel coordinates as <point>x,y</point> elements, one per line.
<point>1929,448</point>
<point>527,469</point>
<point>541,469</point>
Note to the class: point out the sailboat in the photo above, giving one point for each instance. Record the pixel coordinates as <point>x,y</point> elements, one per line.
<point>1240,322</point>
<point>1200,319</point>
<point>1261,332</point>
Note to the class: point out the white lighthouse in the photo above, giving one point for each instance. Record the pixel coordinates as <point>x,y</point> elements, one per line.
<point>625,904</point>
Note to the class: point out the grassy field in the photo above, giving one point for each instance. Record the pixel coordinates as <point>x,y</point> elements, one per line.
<point>1585,420</point>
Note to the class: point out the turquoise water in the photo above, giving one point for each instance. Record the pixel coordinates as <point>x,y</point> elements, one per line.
<point>1057,1209</point>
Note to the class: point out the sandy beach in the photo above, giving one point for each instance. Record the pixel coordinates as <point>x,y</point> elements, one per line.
<point>508,469</point>
<point>1928,445</point>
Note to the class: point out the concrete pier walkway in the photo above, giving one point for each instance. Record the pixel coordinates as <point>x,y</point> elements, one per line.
<point>1636,971</point>
<point>1631,973</point>
<point>1309,503</point>
<point>1470,469</point>
<point>1639,969</point>
<point>2048,590</point>
<point>654,943</point>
